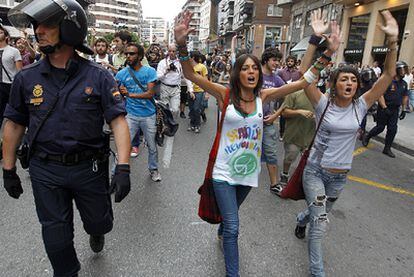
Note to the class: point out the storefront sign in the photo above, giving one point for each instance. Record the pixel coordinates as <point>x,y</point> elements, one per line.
<point>380,50</point>
<point>353,51</point>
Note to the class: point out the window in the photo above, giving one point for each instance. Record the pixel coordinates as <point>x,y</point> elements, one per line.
<point>272,38</point>
<point>358,30</point>
<point>297,21</point>
<point>274,10</point>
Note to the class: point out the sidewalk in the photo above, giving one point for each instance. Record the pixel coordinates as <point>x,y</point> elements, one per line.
<point>404,140</point>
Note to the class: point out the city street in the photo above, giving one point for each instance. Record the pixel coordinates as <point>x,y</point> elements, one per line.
<point>157,231</point>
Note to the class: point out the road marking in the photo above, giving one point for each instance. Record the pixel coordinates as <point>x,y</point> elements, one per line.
<point>380,186</point>
<point>168,147</point>
<point>362,149</point>
<point>198,223</point>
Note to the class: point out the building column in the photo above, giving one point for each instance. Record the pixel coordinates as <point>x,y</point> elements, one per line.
<point>407,45</point>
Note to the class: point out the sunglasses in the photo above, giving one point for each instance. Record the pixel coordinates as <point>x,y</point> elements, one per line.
<point>130,53</point>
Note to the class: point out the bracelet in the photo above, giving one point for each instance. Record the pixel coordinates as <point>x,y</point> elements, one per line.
<point>324,56</point>
<point>319,66</point>
<point>315,40</point>
<point>184,58</point>
<point>309,76</point>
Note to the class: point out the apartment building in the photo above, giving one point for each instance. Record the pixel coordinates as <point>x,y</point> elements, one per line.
<point>194,39</point>
<point>205,12</point>
<point>155,30</point>
<point>226,15</point>
<point>112,15</point>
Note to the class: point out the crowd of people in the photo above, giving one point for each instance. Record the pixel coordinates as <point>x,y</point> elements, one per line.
<point>122,82</point>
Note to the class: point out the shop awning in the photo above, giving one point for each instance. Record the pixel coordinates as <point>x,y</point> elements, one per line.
<point>303,45</point>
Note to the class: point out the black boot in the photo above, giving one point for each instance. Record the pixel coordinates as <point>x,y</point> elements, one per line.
<point>365,139</point>
<point>97,243</point>
<point>387,151</point>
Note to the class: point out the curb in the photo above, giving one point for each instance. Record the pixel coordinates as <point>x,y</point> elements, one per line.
<point>395,145</point>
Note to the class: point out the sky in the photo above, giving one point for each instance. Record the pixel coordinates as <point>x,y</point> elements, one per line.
<point>167,9</point>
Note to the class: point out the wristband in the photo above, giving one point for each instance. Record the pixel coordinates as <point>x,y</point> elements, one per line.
<point>315,40</point>
<point>324,56</point>
<point>309,76</point>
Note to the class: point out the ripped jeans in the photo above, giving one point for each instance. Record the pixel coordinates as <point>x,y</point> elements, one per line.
<point>322,188</point>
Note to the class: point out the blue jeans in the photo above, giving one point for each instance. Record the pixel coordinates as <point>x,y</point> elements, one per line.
<point>322,188</point>
<point>196,106</point>
<point>229,198</point>
<point>148,127</point>
<point>411,97</point>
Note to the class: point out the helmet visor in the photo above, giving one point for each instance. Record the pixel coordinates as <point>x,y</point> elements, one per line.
<point>36,11</point>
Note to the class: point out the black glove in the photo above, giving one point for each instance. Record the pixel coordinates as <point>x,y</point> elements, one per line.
<point>402,115</point>
<point>387,111</point>
<point>121,184</point>
<point>12,183</point>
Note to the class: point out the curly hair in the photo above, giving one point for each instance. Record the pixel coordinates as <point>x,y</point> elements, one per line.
<point>334,78</point>
<point>270,52</point>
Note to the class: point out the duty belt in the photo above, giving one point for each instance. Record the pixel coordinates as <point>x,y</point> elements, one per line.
<point>72,158</point>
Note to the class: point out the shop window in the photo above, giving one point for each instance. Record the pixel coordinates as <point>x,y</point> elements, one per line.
<point>297,21</point>
<point>272,37</point>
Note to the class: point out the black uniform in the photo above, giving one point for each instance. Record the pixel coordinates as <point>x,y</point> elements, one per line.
<point>389,116</point>
<point>68,162</point>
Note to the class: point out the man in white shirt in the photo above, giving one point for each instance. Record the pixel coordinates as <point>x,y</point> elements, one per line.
<point>376,69</point>
<point>102,57</point>
<point>11,63</point>
<point>169,73</point>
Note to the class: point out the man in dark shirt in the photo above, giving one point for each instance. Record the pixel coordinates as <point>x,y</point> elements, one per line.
<point>388,109</point>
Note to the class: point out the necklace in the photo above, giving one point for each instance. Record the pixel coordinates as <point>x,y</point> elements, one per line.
<point>247,101</point>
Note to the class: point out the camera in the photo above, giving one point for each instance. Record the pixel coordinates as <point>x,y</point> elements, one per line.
<point>172,67</point>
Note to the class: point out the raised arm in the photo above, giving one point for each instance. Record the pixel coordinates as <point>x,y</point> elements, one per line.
<point>379,88</point>
<point>311,76</point>
<point>181,31</point>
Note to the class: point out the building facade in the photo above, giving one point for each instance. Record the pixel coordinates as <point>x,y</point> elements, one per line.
<point>364,42</point>
<point>194,38</point>
<point>205,12</point>
<point>155,30</point>
<point>112,15</point>
<point>225,22</point>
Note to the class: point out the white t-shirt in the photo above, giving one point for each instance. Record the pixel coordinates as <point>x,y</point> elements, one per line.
<point>9,58</point>
<point>238,158</point>
<point>377,71</point>
<point>408,78</point>
<point>335,141</point>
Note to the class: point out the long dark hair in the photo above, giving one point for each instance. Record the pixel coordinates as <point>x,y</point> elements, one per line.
<point>335,76</point>
<point>235,84</point>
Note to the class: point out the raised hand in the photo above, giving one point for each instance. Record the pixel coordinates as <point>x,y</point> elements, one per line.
<point>391,26</point>
<point>318,23</point>
<point>334,39</point>
<point>182,27</point>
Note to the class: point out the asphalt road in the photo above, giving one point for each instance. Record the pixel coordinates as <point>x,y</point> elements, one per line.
<point>158,233</point>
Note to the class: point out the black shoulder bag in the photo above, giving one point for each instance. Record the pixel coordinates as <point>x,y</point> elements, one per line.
<point>24,152</point>
<point>166,125</point>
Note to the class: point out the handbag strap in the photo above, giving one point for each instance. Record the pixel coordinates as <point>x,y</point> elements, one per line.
<point>319,125</point>
<point>214,149</point>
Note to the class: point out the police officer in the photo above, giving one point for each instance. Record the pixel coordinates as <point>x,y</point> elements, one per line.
<point>69,159</point>
<point>388,109</point>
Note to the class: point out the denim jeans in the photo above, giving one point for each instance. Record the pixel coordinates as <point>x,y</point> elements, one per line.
<point>196,106</point>
<point>322,188</point>
<point>411,97</point>
<point>148,127</point>
<point>229,198</point>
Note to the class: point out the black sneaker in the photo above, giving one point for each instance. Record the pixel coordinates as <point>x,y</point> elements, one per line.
<point>300,232</point>
<point>284,178</point>
<point>276,189</point>
<point>204,117</point>
<point>97,242</point>
<point>182,115</point>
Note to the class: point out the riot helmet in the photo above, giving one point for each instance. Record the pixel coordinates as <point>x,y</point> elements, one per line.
<point>67,14</point>
<point>367,74</point>
<point>402,68</point>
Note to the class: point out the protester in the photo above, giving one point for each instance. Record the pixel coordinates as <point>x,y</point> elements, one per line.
<point>270,62</point>
<point>11,63</point>
<point>170,73</point>
<point>27,52</point>
<point>224,78</point>
<point>389,104</point>
<point>331,156</point>
<point>411,92</point>
<point>236,169</point>
<point>140,105</point>
<point>121,39</point>
<point>376,69</point>
<point>195,102</point>
<point>102,56</point>
<point>69,161</point>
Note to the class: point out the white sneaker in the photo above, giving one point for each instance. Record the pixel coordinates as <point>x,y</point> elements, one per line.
<point>155,175</point>
<point>134,152</point>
